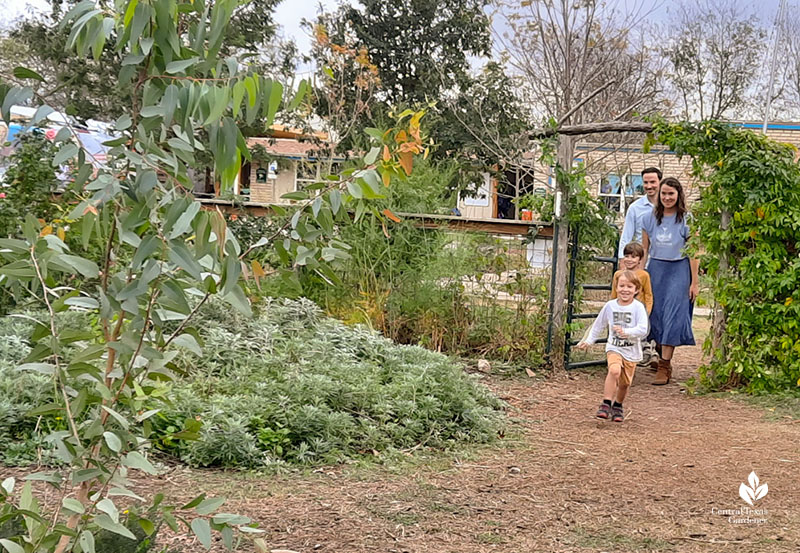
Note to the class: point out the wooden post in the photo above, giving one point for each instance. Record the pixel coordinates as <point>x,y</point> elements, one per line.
<point>558,289</point>
<point>566,148</point>
<point>719,321</point>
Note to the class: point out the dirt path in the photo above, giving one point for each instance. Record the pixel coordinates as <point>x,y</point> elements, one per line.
<point>565,482</point>
<point>561,482</point>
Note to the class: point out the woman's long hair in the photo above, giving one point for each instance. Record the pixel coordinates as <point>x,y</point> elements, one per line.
<point>680,205</point>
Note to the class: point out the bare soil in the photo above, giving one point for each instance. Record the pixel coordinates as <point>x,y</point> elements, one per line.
<point>561,481</point>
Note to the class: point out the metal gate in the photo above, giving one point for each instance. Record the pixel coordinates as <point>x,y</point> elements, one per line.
<point>571,314</point>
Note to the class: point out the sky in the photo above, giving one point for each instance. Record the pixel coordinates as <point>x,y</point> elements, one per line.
<point>290,13</point>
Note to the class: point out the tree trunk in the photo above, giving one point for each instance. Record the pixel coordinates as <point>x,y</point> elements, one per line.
<point>566,149</point>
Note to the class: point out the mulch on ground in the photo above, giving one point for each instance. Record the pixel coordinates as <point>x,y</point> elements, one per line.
<point>562,481</point>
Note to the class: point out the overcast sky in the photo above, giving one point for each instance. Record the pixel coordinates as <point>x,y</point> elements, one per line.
<point>289,13</point>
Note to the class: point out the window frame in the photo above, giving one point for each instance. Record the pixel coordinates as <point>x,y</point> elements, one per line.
<point>620,199</point>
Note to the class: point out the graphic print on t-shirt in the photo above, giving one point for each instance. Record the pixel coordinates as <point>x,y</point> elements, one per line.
<point>623,319</point>
<point>664,236</point>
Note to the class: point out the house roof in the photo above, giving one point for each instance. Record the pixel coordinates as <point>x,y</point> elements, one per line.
<point>277,130</point>
<point>288,147</point>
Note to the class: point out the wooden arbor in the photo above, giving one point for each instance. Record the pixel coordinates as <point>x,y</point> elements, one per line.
<point>566,153</point>
<point>566,150</point>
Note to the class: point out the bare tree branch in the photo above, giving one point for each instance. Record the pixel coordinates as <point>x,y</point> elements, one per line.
<point>583,102</point>
<point>715,49</point>
<point>594,128</point>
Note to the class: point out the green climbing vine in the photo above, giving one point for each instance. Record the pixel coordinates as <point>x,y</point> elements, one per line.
<point>757,181</point>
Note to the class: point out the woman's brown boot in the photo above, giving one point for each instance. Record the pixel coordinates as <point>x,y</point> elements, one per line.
<point>664,373</point>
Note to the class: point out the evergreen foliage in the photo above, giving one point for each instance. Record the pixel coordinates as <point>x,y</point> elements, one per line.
<point>288,386</point>
<point>757,181</point>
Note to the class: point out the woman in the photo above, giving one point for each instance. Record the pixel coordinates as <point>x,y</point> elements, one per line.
<point>672,274</point>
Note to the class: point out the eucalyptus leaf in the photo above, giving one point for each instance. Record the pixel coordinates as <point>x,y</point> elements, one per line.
<point>85,267</point>
<point>208,506</point>
<point>107,523</point>
<point>73,505</point>
<point>136,460</point>
<point>86,541</point>
<point>11,547</point>
<point>113,441</point>
<point>67,152</point>
<point>8,484</point>
<point>202,529</point>
<point>189,342</point>
<point>108,507</point>
<point>81,301</point>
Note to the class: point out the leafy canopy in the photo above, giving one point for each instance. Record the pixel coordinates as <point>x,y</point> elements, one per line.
<point>757,182</point>
<point>162,256</point>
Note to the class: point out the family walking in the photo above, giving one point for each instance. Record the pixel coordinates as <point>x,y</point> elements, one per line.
<point>652,295</point>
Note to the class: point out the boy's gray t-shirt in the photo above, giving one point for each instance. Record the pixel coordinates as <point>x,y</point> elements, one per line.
<point>668,239</point>
<point>631,317</point>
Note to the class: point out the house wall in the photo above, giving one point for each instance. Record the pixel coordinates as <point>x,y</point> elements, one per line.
<point>540,253</point>
<point>602,159</point>
<point>471,208</point>
<point>285,182</point>
<point>272,190</point>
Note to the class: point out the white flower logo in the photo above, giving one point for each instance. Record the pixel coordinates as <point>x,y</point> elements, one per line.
<point>753,492</point>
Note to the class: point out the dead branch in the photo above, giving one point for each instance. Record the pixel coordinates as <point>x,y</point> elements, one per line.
<point>593,128</point>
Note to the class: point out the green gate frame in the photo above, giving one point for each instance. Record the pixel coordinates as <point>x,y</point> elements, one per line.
<point>571,314</point>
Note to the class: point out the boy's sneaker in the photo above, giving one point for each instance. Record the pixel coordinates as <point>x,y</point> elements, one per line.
<point>617,414</point>
<point>604,411</point>
<point>649,355</point>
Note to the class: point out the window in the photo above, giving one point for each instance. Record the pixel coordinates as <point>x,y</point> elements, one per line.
<point>634,185</point>
<point>244,180</point>
<point>609,191</point>
<point>307,173</point>
<point>618,192</point>
<point>514,183</point>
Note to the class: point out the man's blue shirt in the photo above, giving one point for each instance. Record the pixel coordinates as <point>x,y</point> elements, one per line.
<point>632,229</point>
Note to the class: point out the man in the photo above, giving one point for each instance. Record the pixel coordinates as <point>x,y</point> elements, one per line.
<point>632,229</point>
<point>632,232</point>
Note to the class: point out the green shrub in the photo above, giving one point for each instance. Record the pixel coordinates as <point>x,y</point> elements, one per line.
<point>294,386</point>
<point>29,183</point>
<point>105,541</point>
<point>20,392</point>
<point>289,386</point>
<point>110,542</point>
<point>432,288</point>
<point>757,182</point>
<point>30,180</point>
<point>409,283</point>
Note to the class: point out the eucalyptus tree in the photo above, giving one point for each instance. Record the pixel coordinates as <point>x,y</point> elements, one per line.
<point>162,256</point>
